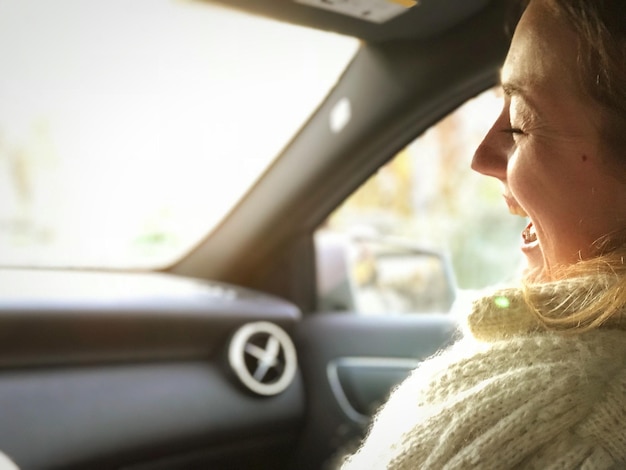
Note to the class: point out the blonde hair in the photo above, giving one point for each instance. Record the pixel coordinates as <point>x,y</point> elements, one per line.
<point>597,295</point>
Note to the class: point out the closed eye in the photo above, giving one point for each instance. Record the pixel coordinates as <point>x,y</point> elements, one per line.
<point>512,130</point>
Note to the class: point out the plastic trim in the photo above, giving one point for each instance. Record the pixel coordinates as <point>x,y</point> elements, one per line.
<point>332,372</point>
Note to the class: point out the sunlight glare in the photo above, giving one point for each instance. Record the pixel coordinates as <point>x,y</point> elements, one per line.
<point>125,120</point>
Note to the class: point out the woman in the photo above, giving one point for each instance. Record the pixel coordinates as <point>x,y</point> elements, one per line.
<point>539,380</point>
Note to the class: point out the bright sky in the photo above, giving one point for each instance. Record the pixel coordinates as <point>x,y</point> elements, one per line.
<point>125,119</point>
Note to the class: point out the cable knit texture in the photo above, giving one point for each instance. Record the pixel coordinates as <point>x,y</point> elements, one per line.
<point>510,395</point>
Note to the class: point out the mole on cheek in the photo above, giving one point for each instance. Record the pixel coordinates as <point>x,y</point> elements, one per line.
<point>584,158</point>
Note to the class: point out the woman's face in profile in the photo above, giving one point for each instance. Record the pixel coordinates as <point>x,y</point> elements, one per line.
<point>547,149</point>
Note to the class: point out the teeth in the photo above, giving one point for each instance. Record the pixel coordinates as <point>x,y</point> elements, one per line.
<point>529,235</point>
<point>517,210</point>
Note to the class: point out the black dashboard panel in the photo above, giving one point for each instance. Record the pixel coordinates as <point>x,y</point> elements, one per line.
<point>106,370</point>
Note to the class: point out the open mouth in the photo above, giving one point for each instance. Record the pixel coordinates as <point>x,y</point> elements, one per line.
<point>528,234</point>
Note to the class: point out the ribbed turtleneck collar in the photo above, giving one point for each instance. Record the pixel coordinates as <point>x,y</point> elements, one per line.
<point>506,312</point>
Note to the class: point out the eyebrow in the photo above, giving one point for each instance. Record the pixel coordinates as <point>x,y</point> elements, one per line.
<point>513,89</point>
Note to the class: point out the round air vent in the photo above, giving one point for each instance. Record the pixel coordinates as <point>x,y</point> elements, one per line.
<point>263,357</point>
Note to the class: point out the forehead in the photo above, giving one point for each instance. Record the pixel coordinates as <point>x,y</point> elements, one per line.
<point>543,52</point>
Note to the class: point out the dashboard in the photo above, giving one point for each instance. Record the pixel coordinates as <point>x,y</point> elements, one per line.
<point>119,370</point>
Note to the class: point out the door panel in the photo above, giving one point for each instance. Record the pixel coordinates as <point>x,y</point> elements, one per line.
<point>349,364</point>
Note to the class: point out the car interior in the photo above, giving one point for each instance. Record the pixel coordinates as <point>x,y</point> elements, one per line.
<point>225,359</point>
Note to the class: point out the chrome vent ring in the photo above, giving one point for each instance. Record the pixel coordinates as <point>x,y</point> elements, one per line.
<point>263,358</point>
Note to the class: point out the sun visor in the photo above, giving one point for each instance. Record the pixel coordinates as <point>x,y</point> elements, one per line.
<point>375,11</point>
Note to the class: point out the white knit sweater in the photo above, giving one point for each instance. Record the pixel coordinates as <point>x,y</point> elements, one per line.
<point>509,395</point>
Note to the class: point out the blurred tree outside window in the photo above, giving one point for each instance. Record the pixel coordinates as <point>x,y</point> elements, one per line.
<point>424,228</point>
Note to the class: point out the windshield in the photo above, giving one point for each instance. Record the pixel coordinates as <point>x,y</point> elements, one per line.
<point>128,130</point>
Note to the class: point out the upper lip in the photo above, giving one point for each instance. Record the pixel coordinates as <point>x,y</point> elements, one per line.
<point>514,207</point>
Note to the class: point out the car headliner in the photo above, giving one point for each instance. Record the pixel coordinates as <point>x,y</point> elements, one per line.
<point>426,19</point>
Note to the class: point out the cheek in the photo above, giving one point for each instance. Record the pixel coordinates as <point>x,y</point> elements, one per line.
<point>548,177</point>
<point>566,192</point>
<point>526,181</point>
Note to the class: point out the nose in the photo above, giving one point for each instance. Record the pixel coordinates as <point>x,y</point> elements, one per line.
<point>492,155</point>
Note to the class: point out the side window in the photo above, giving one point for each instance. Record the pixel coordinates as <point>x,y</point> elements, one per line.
<point>423,229</point>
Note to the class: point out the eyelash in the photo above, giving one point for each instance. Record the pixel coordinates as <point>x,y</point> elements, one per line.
<point>513,130</point>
